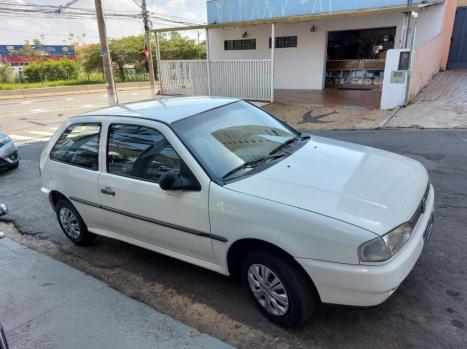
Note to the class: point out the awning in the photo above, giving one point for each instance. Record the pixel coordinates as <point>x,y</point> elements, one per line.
<point>298,19</point>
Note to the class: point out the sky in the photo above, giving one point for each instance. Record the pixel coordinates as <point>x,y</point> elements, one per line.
<point>16,29</point>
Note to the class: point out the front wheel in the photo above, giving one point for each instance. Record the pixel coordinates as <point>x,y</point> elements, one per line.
<point>280,289</point>
<point>72,224</point>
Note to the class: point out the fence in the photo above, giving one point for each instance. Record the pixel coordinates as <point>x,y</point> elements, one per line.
<point>247,79</point>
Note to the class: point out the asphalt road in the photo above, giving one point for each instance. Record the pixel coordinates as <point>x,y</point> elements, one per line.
<point>429,310</point>
<point>37,118</point>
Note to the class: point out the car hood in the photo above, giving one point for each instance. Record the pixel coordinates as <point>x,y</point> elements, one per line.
<point>370,188</point>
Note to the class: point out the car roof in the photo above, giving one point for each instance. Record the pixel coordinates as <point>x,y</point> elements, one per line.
<point>167,110</point>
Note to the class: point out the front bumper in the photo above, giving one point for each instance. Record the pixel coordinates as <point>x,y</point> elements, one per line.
<point>9,157</point>
<point>9,161</point>
<point>368,285</point>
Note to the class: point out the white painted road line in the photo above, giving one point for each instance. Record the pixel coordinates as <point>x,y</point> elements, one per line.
<point>38,110</point>
<point>19,138</point>
<point>41,133</point>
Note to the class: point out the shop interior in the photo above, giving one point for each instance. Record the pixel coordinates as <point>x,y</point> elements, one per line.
<point>356,58</point>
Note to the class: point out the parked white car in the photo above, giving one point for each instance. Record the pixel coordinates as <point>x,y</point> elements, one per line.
<point>221,184</point>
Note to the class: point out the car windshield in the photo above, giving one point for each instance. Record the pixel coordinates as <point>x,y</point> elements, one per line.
<point>226,138</point>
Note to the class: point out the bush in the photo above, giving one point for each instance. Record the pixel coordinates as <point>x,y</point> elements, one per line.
<point>64,69</point>
<point>7,74</point>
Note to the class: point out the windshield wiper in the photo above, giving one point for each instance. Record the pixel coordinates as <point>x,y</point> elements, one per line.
<point>252,163</point>
<point>288,143</point>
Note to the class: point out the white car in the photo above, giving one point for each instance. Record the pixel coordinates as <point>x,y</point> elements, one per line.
<point>221,184</point>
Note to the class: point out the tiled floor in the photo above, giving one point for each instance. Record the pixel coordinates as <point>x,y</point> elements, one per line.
<point>446,87</point>
<point>441,104</point>
<point>330,97</point>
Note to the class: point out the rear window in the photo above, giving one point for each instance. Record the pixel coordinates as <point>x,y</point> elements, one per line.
<point>79,146</point>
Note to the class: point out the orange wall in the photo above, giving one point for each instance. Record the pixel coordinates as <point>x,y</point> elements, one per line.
<point>432,57</point>
<point>426,63</point>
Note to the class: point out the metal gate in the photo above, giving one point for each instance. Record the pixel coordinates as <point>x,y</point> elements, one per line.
<point>248,79</point>
<point>458,51</point>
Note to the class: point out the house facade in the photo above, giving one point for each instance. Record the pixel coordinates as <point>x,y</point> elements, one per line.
<point>389,48</point>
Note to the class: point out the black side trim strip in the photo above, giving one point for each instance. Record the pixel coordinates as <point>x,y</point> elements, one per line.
<point>154,221</point>
<point>86,202</point>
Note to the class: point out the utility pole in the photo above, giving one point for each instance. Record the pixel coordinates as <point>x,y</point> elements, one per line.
<point>105,54</point>
<point>147,31</point>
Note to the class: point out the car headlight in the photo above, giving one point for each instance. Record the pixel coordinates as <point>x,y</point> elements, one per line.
<point>4,140</point>
<point>383,248</point>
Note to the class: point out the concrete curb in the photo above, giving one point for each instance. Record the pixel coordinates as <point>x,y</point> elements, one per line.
<point>389,118</point>
<point>66,90</point>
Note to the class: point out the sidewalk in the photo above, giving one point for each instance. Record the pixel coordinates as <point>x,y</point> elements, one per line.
<point>441,104</point>
<point>46,304</point>
<point>67,90</point>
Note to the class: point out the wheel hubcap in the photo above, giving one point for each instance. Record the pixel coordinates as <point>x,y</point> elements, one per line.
<point>268,289</point>
<point>69,223</point>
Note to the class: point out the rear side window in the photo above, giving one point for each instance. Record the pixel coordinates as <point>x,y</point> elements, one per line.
<point>140,152</point>
<point>79,146</point>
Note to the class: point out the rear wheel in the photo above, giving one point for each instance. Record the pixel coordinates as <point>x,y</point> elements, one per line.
<point>72,224</point>
<point>280,289</point>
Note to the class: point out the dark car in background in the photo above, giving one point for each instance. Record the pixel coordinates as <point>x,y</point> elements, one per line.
<point>9,157</point>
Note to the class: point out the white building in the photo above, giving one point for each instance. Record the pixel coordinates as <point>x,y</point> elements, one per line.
<point>323,49</point>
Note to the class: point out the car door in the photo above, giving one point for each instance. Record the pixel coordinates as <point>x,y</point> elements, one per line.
<point>138,153</point>
<point>73,165</point>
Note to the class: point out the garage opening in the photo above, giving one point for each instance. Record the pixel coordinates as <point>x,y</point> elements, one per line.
<point>356,58</point>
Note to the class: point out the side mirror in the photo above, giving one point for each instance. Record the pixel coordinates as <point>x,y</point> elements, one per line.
<point>173,181</point>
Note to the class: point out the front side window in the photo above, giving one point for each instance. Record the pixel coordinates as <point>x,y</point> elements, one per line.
<point>232,136</point>
<point>140,152</point>
<point>79,146</point>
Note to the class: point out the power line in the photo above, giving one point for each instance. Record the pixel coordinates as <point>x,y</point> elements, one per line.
<point>53,11</point>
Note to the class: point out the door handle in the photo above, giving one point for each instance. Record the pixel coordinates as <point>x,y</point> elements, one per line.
<point>107,191</point>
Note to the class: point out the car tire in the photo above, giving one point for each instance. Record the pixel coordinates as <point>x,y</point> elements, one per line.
<point>294,287</point>
<point>72,224</point>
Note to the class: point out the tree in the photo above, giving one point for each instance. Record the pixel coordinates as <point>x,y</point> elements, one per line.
<point>68,69</point>
<point>127,51</point>
<point>174,46</point>
<point>130,51</point>
<point>7,73</point>
<point>35,56</point>
<point>89,58</point>
<point>64,69</point>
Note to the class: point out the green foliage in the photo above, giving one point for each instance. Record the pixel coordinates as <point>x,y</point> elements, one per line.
<point>174,46</point>
<point>89,58</point>
<point>64,69</point>
<point>7,74</point>
<point>129,51</point>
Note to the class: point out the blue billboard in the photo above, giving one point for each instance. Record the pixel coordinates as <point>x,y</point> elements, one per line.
<point>46,50</point>
<point>225,11</point>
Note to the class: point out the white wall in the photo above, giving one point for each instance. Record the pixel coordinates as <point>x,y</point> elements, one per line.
<point>302,67</point>
<point>429,24</point>
<point>393,94</point>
